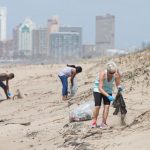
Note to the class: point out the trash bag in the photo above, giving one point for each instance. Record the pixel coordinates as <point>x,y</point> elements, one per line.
<point>73,89</point>
<point>119,104</point>
<point>1,97</point>
<point>83,112</point>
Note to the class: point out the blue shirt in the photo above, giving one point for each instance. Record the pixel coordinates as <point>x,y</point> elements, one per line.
<point>107,85</point>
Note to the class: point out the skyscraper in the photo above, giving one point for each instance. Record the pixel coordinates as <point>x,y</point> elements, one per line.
<point>3,23</point>
<point>40,42</point>
<point>25,37</point>
<point>53,24</point>
<point>73,30</point>
<point>105,33</point>
<point>16,39</point>
<point>64,46</point>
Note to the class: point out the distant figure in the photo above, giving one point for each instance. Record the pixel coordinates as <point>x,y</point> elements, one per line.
<point>69,71</point>
<point>5,87</point>
<point>103,90</point>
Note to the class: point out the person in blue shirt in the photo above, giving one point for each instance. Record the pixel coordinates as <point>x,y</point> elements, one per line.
<point>102,89</point>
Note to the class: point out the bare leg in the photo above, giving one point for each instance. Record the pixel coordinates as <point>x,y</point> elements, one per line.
<point>64,98</point>
<point>105,114</point>
<point>6,90</point>
<point>96,113</point>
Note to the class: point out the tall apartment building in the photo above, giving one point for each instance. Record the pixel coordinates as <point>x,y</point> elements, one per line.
<point>16,40</point>
<point>64,46</point>
<point>105,33</point>
<point>74,30</point>
<point>3,23</point>
<point>25,37</point>
<point>2,49</point>
<point>53,24</point>
<point>40,42</point>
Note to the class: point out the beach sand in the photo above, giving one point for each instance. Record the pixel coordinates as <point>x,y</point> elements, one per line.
<point>40,120</point>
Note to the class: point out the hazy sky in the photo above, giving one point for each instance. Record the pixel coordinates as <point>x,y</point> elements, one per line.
<point>132,16</point>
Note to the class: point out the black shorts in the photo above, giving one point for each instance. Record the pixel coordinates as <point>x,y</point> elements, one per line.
<point>98,99</point>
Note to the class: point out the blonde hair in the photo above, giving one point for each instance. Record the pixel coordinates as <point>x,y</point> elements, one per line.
<point>111,66</point>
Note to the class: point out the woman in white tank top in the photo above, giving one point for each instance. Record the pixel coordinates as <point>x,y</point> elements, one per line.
<point>69,71</point>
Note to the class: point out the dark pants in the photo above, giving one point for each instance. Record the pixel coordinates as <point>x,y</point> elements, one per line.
<point>64,81</point>
<point>2,85</point>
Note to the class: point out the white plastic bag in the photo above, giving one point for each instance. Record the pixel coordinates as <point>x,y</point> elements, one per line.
<point>1,97</point>
<point>73,89</point>
<point>83,112</point>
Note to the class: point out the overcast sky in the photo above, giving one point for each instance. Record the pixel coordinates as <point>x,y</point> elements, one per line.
<point>132,16</point>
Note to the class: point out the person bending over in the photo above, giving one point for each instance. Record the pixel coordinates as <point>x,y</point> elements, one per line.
<point>103,90</point>
<point>5,87</point>
<point>68,72</point>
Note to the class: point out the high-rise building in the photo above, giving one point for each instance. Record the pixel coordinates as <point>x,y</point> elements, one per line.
<point>64,46</point>
<point>53,24</point>
<point>40,42</point>
<point>16,40</point>
<point>6,50</point>
<point>25,37</point>
<point>2,49</point>
<point>3,23</point>
<point>73,30</point>
<point>105,33</point>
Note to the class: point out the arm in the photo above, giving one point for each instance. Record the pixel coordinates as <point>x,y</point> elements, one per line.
<point>117,79</point>
<point>6,90</point>
<point>7,84</point>
<point>73,66</point>
<point>73,73</point>
<point>101,79</point>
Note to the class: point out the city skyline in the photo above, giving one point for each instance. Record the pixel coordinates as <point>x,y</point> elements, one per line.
<point>52,42</point>
<point>132,24</point>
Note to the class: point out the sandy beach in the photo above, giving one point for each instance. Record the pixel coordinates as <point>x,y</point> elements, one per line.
<point>40,120</point>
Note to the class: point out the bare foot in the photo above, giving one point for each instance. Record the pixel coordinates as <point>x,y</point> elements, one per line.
<point>66,98</point>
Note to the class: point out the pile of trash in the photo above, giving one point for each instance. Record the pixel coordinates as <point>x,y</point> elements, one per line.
<point>83,112</point>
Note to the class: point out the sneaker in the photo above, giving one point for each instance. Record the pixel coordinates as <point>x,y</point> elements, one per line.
<point>93,125</point>
<point>104,126</point>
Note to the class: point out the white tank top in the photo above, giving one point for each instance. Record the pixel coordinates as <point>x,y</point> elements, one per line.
<point>66,71</point>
